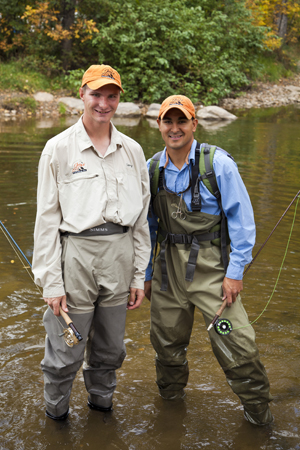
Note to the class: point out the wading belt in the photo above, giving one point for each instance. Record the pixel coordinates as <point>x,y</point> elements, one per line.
<point>100,230</point>
<point>192,239</point>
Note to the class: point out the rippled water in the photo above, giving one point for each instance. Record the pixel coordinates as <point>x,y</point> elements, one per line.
<point>266,147</point>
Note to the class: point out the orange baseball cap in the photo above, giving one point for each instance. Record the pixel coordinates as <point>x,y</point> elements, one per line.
<point>180,102</point>
<point>99,75</point>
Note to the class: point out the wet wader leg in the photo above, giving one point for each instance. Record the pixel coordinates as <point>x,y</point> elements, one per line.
<point>61,363</point>
<point>171,326</point>
<point>238,356</point>
<point>105,353</point>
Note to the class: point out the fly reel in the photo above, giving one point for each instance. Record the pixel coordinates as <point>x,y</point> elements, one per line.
<point>69,337</point>
<point>223,327</point>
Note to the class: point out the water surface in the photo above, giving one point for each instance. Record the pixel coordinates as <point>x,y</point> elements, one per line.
<point>265,145</point>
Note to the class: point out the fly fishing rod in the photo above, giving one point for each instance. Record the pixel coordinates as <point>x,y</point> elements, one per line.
<point>224,326</point>
<point>71,335</point>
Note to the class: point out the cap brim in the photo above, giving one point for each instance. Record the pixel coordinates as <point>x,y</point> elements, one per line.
<point>100,83</point>
<point>185,111</point>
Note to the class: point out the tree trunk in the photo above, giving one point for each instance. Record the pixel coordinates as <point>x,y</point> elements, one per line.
<point>67,18</point>
<point>282,22</point>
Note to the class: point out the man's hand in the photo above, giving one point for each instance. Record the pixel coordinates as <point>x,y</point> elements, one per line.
<point>55,304</point>
<point>231,289</point>
<point>147,289</point>
<point>135,298</point>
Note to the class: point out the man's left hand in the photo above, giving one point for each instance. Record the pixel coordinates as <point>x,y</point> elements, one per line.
<point>135,299</point>
<point>231,289</point>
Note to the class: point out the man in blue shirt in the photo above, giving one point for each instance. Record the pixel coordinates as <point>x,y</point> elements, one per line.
<point>192,270</point>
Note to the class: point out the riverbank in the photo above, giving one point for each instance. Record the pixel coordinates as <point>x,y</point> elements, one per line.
<point>258,95</point>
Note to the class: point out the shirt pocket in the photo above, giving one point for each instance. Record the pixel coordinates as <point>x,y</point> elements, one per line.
<point>82,199</point>
<point>129,191</point>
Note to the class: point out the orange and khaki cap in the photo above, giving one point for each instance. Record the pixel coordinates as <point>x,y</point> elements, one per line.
<point>99,75</point>
<point>180,102</point>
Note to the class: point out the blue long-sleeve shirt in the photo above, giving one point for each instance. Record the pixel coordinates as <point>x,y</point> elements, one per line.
<point>235,202</point>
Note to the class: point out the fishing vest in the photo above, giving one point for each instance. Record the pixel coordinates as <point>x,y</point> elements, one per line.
<point>214,232</point>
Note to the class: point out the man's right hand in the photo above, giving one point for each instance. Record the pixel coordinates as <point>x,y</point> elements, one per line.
<point>57,302</point>
<point>147,289</point>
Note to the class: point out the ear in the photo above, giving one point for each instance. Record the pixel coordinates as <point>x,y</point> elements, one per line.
<point>195,123</point>
<point>158,123</point>
<point>81,93</point>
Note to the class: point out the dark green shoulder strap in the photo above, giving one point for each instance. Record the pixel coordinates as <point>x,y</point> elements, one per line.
<point>154,173</point>
<point>207,171</point>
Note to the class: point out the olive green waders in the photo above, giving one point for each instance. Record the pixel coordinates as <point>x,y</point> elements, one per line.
<point>97,275</point>
<point>172,313</point>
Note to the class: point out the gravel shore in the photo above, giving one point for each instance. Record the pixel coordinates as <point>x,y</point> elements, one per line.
<point>15,105</point>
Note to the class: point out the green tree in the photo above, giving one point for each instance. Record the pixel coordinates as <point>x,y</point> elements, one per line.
<point>178,46</point>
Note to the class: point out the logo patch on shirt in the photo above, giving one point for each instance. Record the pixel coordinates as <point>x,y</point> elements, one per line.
<point>78,167</point>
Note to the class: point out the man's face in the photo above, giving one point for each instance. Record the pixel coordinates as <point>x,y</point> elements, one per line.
<point>100,104</point>
<point>176,130</point>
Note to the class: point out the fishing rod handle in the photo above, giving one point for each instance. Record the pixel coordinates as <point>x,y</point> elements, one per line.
<point>69,322</point>
<point>221,309</point>
<point>218,314</point>
<point>65,316</point>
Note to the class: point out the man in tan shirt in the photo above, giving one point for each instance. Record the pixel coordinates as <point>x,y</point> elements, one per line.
<point>91,243</point>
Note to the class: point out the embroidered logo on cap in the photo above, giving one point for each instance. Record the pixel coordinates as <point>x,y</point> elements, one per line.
<point>176,101</point>
<point>108,73</point>
<point>78,167</point>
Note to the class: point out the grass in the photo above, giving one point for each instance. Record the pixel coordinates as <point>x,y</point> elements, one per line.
<point>282,64</point>
<point>270,69</point>
<point>62,109</point>
<point>14,75</point>
<point>28,103</point>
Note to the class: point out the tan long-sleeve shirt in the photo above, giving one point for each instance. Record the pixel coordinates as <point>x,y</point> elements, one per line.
<point>78,189</point>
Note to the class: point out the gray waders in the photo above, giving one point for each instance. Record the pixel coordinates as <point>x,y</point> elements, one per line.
<point>97,274</point>
<point>173,304</point>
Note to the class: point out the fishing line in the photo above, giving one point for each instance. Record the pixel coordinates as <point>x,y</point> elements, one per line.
<point>71,335</point>
<point>223,326</point>
<point>19,252</point>
<point>279,273</point>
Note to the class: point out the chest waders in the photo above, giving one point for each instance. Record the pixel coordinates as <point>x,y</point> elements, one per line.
<point>199,228</point>
<point>188,273</point>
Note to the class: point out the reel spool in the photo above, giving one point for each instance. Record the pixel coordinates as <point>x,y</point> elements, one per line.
<point>223,327</point>
<point>69,337</point>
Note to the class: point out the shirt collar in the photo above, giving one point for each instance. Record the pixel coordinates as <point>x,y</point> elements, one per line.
<point>191,156</point>
<point>84,141</point>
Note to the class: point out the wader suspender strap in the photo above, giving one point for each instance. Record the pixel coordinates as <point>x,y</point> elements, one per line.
<point>209,175</point>
<point>194,240</point>
<point>195,188</point>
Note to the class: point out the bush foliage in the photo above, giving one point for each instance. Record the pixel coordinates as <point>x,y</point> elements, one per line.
<point>201,49</point>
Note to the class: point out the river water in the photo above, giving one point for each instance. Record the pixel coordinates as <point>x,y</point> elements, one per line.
<point>265,145</point>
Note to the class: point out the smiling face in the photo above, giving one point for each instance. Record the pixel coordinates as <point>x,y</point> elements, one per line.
<point>177,131</point>
<point>100,104</point>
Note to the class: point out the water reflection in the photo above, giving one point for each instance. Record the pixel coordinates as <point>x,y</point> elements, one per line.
<point>265,145</point>
<point>126,121</point>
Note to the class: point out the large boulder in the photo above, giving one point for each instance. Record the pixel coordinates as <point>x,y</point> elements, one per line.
<point>128,109</point>
<point>43,97</point>
<point>214,113</point>
<point>72,103</point>
<point>153,110</point>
